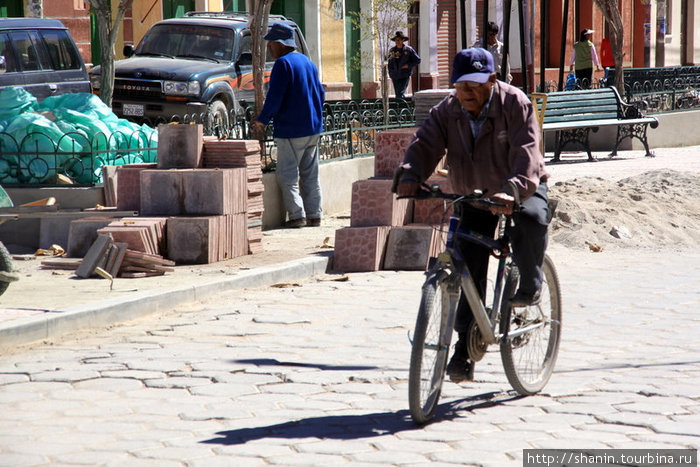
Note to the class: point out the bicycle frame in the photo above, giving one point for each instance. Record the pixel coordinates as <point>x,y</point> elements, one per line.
<point>486,317</point>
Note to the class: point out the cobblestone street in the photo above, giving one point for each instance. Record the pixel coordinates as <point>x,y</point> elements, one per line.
<point>315,373</point>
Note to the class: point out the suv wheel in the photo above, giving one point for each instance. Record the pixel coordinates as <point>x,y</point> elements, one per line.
<point>217,119</point>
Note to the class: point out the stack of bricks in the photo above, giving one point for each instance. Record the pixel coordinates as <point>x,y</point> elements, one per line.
<point>241,154</point>
<point>144,234</point>
<point>386,232</point>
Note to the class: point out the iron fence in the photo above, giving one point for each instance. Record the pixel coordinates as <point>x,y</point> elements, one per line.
<point>652,90</point>
<point>36,158</point>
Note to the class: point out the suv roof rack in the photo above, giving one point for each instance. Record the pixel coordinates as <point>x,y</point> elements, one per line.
<point>231,14</point>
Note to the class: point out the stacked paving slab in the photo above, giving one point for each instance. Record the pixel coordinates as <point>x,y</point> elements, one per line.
<point>386,232</point>
<point>201,203</point>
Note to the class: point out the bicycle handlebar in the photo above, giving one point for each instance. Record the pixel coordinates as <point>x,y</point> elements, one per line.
<point>476,198</point>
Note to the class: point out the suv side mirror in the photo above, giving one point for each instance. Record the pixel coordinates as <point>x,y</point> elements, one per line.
<point>3,64</point>
<point>128,50</point>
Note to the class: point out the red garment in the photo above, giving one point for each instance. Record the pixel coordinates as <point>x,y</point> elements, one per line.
<point>606,55</point>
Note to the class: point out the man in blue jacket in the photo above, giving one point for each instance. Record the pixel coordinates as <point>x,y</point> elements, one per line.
<point>294,102</point>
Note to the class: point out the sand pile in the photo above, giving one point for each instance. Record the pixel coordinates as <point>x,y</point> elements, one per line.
<point>653,209</point>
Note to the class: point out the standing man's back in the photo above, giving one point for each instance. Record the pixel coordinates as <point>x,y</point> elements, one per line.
<point>294,102</point>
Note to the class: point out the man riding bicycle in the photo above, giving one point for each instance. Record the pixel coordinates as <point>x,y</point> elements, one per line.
<point>490,135</point>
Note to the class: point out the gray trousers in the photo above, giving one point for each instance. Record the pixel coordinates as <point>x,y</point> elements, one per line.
<point>528,237</point>
<point>297,176</point>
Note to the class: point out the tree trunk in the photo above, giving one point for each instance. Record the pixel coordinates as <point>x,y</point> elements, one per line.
<point>612,16</point>
<point>258,28</point>
<point>107,30</point>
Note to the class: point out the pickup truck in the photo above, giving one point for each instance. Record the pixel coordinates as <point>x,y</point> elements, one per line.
<point>200,63</point>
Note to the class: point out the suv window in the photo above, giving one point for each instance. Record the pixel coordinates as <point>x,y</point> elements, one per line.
<point>63,55</point>
<point>188,42</point>
<point>26,45</point>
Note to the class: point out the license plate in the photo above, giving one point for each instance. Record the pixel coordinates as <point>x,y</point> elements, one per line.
<point>134,110</point>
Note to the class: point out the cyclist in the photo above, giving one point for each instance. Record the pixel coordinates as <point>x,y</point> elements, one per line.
<point>490,135</point>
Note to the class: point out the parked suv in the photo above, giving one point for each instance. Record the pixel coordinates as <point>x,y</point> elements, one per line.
<point>201,62</point>
<point>39,55</point>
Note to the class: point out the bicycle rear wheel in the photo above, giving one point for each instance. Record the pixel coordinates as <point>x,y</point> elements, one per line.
<point>431,344</point>
<point>529,355</point>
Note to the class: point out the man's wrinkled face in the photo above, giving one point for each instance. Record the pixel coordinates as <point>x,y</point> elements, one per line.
<point>473,96</point>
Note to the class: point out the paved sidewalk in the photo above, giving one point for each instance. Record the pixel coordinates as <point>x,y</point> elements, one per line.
<point>46,303</point>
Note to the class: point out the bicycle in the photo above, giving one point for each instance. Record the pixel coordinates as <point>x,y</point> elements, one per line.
<point>528,336</point>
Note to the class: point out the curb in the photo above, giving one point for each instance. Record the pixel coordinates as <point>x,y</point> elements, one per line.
<point>105,312</point>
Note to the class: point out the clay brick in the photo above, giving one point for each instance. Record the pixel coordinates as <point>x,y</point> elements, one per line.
<point>410,247</point>
<point>180,146</point>
<point>359,249</point>
<point>389,148</point>
<point>374,204</point>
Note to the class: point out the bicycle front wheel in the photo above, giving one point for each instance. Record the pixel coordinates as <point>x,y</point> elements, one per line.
<point>5,266</point>
<point>431,344</point>
<point>530,350</point>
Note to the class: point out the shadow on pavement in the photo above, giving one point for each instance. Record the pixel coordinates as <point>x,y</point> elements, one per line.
<point>348,427</point>
<point>320,366</point>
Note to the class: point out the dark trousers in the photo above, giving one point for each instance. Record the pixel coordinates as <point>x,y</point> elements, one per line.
<point>584,77</point>
<point>528,237</point>
<point>400,85</point>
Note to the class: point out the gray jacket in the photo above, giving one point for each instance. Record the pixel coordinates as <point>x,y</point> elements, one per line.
<point>508,146</point>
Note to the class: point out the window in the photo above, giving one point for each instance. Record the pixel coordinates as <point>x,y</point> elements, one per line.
<point>62,53</point>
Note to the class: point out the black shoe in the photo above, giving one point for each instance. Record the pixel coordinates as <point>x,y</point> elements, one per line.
<point>313,222</point>
<point>295,223</point>
<point>460,368</point>
<point>521,298</point>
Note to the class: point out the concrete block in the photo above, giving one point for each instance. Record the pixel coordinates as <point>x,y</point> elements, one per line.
<point>191,240</point>
<point>374,204</point>
<point>55,231</point>
<point>180,146</point>
<point>410,247</point>
<point>82,233</point>
<point>433,211</point>
<point>128,185</point>
<point>360,249</point>
<point>200,192</point>
<point>389,148</point>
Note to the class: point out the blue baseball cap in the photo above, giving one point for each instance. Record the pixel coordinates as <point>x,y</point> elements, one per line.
<point>280,32</point>
<point>472,65</point>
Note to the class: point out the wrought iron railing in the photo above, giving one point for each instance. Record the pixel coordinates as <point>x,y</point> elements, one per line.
<point>38,158</point>
<point>653,90</point>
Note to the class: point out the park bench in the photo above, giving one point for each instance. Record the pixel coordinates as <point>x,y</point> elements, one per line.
<point>574,114</point>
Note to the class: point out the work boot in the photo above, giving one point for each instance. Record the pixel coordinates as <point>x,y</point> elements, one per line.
<point>460,368</point>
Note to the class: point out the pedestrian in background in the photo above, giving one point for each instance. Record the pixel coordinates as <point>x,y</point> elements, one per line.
<point>495,46</point>
<point>402,60</point>
<point>607,60</point>
<point>583,58</point>
<point>294,102</point>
